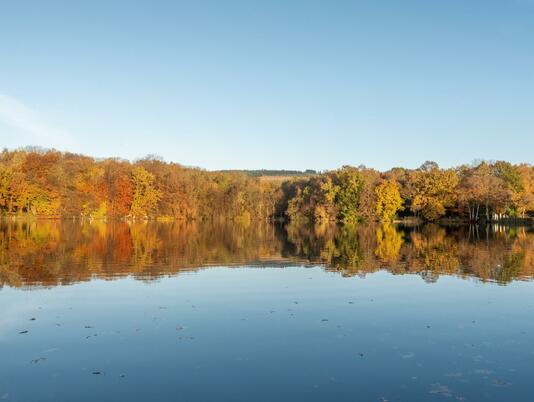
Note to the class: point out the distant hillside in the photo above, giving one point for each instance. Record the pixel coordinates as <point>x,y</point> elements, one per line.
<point>271,173</point>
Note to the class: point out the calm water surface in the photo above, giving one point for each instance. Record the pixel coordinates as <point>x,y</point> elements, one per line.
<point>171,312</point>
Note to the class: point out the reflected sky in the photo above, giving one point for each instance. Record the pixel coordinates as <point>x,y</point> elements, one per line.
<point>268,334</point>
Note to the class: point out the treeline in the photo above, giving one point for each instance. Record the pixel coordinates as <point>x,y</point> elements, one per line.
<point>51,183</point>
<point>482,191</point>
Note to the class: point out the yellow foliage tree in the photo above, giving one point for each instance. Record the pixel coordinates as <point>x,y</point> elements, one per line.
<point>146,196</point>
<point>434,191</point>
<point>388,200</point>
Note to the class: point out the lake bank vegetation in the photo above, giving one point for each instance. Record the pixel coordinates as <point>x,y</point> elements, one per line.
<point>49,183</point>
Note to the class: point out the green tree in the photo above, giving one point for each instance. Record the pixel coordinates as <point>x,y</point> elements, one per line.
<point>349,185</point>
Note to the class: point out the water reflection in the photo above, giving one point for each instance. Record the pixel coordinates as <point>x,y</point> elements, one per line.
<point>48,253</point>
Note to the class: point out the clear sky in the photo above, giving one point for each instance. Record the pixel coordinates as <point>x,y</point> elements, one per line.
<point>271,84</point>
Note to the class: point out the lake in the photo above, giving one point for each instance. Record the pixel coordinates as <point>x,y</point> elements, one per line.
<point>212,311</point>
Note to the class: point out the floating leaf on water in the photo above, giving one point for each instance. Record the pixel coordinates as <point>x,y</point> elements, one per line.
<point>439,389</point>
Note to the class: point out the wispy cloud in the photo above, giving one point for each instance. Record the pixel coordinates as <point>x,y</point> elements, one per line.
<point>22,117</point>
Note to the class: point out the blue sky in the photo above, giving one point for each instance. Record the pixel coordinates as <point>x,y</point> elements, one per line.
<point>271,84</point>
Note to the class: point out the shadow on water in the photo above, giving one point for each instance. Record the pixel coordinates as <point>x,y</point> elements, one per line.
<point>48,253</point>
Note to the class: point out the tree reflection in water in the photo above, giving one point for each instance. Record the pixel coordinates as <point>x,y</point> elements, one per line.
<point>49,252</point>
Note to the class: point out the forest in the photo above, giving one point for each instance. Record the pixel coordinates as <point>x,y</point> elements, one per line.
<point>49,183</point>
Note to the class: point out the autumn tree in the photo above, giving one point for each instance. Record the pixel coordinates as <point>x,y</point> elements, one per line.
<point>388,200</point>
<point>524,200</point>
<point>145,196</point>
<point>118,187</point>
<point>367,202</point>
<point>6,191</point>
<point>311,200</point>
<point>348,183</point>
<point>482,191</point>
<point>434,191</point>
